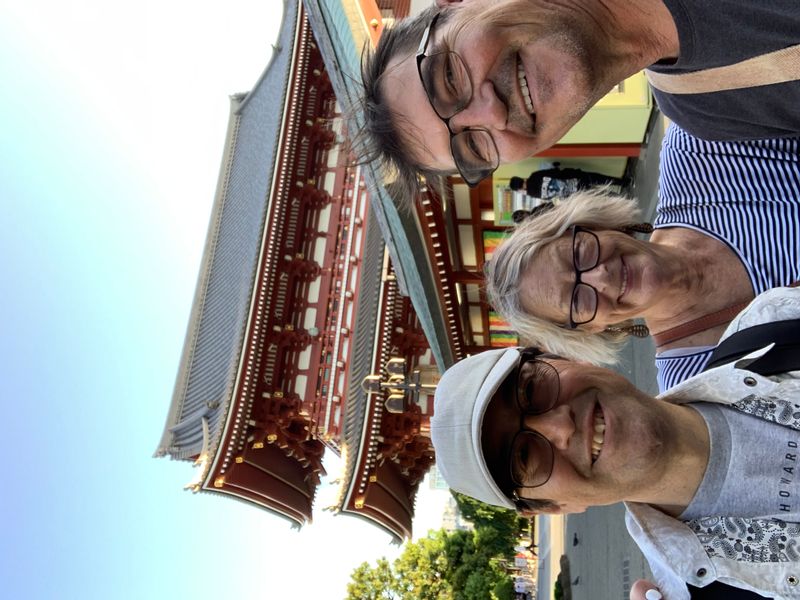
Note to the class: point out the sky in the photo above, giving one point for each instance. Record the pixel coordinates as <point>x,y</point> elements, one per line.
<point>113,118</point>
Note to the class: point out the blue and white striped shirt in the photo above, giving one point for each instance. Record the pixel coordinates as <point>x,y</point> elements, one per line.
<point>744,194</point>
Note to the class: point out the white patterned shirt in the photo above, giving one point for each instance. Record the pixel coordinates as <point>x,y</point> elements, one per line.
<point>689,552</point>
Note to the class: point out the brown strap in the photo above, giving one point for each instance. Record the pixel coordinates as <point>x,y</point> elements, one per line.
<point>773,67</point>
<point>708,321</point>
<point>720,317</point>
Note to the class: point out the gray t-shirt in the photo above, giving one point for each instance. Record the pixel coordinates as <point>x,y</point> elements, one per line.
<point>753,468</point>
<point>705,30</point>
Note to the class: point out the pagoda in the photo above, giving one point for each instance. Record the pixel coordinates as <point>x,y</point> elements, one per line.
<point>297,303</point>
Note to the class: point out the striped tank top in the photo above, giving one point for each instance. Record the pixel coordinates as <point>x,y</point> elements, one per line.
<point>744,194</point>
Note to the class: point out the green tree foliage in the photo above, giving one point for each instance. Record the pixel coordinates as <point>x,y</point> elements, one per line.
<point>372,583</point>
<point>504,589</point>
<point>442,566</point>
<point>558,591</point>
<point>421,570</point>
<point>506,524</point>
<point>462,565</point>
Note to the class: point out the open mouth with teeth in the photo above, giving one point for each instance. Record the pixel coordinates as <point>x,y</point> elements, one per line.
<point>598,437</point>
<point>523,86</point>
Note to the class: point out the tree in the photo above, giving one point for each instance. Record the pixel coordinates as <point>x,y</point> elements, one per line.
<point>558,590</point>
<point>420,572</point>
<point>507,523</point>
<point>371,583</point>
<point>422,569</point>
<point>442,566</point>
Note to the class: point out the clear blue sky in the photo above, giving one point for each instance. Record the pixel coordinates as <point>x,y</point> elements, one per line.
<point>113,121</point>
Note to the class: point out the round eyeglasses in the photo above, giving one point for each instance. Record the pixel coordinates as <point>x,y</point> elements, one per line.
<point>531,455</point>
<point>448,86</point>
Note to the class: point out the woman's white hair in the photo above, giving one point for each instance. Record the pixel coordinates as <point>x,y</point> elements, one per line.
<point>596,209</point>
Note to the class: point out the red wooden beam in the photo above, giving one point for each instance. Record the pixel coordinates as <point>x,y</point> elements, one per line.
<point>567,150</point>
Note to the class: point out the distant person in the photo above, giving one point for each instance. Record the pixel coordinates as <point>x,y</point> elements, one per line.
<point>523,204</point>
<point>516,184</point>
<point>709,470</point>
<point>549,184</point>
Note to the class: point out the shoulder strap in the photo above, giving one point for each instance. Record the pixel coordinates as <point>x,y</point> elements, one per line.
<point>784,356</point>
<point>720,317</point>
<point>779,66</point>
<point>717,590</point>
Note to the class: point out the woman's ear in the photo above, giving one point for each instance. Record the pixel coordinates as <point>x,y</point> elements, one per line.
<point>593,326</point>
<point>627,328</point>
<point>634,228</point>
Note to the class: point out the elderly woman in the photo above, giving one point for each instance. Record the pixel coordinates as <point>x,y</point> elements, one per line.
<point>573,279</point>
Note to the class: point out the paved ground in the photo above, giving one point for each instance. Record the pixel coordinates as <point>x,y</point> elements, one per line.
<point>605,561</point>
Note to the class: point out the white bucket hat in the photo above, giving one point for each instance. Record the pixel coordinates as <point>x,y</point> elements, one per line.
<point>460,404</point>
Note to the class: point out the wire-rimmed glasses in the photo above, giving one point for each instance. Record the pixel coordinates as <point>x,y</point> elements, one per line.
<point>448,86</point>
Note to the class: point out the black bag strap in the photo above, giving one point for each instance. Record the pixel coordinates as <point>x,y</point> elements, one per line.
<point>784,356</point>
<point>721,591</point>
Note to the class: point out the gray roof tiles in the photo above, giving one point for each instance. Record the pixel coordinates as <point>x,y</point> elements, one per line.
<point>219,316</point>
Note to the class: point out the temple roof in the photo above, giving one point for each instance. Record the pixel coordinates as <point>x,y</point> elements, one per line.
<point>205,415</point>
<point>219,315</point>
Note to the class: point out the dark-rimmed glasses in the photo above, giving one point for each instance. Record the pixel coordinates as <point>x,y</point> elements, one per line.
<point>536,391</point>
<point>448,86</point>
<point>585,256</point>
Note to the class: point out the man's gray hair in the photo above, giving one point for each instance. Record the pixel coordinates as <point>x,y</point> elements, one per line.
<point>380,138</point>
<point>596,209</point>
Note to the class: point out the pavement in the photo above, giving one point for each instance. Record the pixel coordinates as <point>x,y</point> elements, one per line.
<point>604,561</point>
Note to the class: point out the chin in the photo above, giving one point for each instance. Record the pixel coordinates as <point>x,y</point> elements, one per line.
<point>650,448</point>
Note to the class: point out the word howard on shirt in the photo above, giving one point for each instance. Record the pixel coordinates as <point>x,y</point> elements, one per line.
<point>785,486</point>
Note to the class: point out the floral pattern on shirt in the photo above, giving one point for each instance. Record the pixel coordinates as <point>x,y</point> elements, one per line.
<point>775,410</point>
<point>748,540</point>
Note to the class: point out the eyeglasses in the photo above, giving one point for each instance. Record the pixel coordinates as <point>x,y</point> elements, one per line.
<point>531,455</point>
<point>448,86</point>
<point>585,256</point>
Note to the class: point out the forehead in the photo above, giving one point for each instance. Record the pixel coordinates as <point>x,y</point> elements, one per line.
<point>421,131</point>
<point>543,282</point>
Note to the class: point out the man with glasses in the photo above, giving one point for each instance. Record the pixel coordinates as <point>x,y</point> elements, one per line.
<point>708,470</point>
<point>470,84</point>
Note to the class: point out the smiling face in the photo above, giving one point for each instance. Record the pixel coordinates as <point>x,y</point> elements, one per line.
<point>531,72</point>
<point>629,279</point>
<point>610,441</point>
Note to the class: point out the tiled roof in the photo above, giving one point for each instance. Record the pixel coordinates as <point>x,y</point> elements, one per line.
<point>214,337</point>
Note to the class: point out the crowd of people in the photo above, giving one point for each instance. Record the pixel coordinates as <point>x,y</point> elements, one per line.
<point>708,468</point>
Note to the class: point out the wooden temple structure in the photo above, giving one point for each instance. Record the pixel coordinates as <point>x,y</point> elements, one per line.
<point>323,306</point>
<point>297,303</point>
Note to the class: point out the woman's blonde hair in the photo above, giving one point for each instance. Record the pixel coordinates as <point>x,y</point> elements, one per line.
<point>596,209</point>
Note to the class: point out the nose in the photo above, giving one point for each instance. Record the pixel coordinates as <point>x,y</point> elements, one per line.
<point>598,277</point>
<point>557,425</point>
<point>485,110</point>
